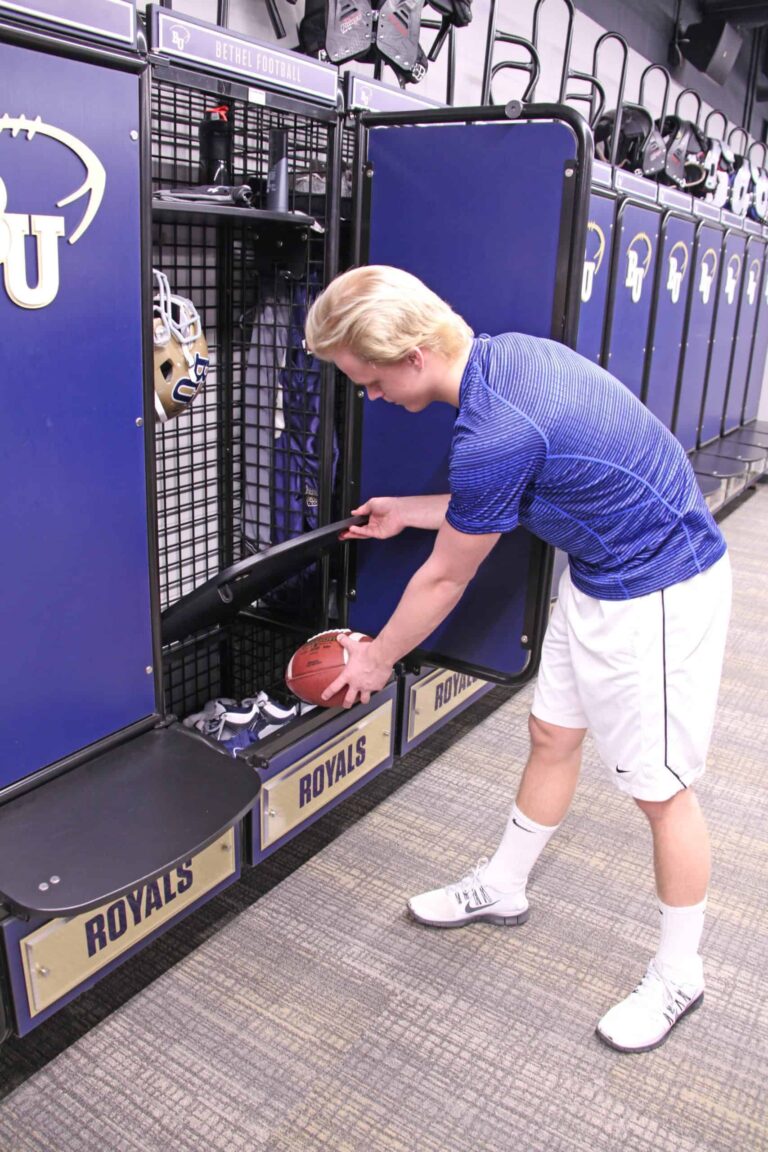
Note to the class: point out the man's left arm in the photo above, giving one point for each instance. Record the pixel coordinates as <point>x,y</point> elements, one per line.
<point>430,595</point>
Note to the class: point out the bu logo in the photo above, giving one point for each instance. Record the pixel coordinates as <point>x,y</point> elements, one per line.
<point>707,274</point>
<point>754,276</point>
<point>637,270</point>
<point>593,259</point>
<point>732,278</point>
<point>185,389</point>
<point>179,37</point>
<point>46,230</point>
<point>678,264</point>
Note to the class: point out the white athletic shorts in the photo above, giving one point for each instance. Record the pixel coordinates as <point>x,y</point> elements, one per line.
<point>643,675</point>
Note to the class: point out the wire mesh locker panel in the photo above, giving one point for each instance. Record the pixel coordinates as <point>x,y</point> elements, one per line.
<point>744,337</point>
<point>723,332</point>
<point>252,461</point>
<point>504,268</point>
<point>674,278</point>
<point>75,592</point>
<point>596,275</point>
<point>698,333</point>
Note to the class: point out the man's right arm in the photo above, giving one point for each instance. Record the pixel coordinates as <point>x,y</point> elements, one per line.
<point>389,515</point>
<point>424,511</point>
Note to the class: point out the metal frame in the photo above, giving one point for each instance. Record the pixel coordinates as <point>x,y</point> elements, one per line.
<point>565,307</point>
<point>306,122</point>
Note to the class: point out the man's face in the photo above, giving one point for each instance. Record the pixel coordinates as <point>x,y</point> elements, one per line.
<point>400,383</point>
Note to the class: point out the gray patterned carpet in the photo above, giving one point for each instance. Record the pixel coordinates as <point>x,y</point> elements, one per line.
<point>302,1011</point>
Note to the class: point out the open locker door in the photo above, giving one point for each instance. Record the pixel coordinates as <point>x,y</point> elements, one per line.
<point>489,209</point>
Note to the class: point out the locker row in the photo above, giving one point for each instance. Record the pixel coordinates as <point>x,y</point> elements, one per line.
<point>675,303</point>
<point>179,488</point>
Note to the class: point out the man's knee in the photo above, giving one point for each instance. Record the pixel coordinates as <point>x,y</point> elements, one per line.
<point>552,739</point>
<point>681,804</point>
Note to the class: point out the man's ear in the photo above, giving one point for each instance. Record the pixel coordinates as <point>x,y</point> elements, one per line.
<point>415,358</point>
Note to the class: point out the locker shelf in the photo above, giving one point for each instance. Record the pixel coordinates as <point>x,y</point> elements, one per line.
<point>721,467</point>
<point>119,820</point>
<point>751,457</point>
<point>747,435</point>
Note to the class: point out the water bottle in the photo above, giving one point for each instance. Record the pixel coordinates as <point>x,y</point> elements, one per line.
<point>277,174</point>
<point>215,132</point>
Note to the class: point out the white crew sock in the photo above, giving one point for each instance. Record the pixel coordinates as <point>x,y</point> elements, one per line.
<point>521,845</point>
<point>681,930</point>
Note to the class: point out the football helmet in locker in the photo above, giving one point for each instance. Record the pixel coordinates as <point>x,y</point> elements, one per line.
<point>181,351</point>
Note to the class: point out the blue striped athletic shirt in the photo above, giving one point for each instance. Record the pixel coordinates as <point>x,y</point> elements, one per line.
<point>547,439</point>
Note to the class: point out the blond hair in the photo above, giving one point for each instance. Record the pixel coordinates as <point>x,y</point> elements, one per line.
<point>381,314</point>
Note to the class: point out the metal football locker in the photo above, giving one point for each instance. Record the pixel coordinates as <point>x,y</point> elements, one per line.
<point>635,257</point>
<point>673,283</point>
<point>596,274</point>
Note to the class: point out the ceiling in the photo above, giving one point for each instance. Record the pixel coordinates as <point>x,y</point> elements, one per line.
<point>743,13</point>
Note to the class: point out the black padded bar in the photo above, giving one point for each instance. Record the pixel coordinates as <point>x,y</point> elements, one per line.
<point>238,586</point>
<point>207,212</point>
<point>118,821</point>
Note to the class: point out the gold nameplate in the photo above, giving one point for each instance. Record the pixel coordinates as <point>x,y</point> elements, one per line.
<point>64,952</point>
<point>306,787</point>
<point>436,696</point>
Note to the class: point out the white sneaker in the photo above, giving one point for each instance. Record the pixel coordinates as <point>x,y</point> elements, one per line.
<point>210,720</point>
<point>644,1019</point>
<point>471,899</point>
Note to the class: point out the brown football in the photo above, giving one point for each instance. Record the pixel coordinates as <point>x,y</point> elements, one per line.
<point>316,664</point>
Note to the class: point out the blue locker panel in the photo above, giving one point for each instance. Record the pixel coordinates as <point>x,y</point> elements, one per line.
<point>675,256</point>
<point>729,290</point>
<point>745,332</point>
<point>75,586</point>
<point>701,310</point>
<point>453,204</point>
<point>596,274</point>
<point>759,349</point>
<point>302,782</point>
<point>635,255</point>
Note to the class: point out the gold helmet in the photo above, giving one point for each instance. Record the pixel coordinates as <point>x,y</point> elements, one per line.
<point>181,351</point>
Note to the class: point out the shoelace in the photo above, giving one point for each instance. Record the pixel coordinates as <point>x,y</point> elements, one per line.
<point>665,996</point>
<point>471,886</point>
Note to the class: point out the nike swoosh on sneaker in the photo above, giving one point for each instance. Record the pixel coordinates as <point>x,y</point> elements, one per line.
<point>623,771</point>
<point>479,907</point>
